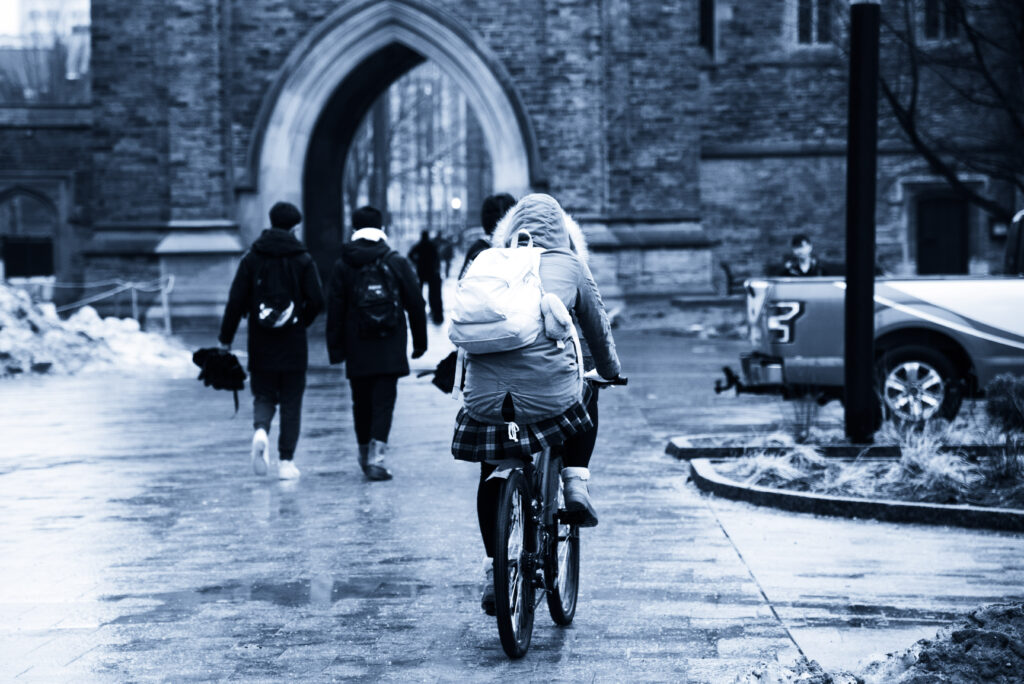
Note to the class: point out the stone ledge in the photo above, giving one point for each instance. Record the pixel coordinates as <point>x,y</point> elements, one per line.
<point>707,479</point>
<point>605,235</point>
<point>684,452</point>
<point>46,116</point>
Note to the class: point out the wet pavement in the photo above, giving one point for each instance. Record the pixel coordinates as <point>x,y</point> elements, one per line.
<point>137,546</point>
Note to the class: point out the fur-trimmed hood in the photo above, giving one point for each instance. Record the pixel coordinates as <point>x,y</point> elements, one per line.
<point>547,223</point>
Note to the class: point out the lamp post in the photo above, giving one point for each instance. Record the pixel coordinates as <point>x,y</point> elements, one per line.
<point>861,404</point>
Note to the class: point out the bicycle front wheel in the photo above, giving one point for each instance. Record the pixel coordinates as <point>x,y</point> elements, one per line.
<point>514,591</point>
<point>562,566</point>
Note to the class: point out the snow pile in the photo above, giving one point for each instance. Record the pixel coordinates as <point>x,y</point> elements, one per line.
<point>985,647</point>
<point>33,339</point>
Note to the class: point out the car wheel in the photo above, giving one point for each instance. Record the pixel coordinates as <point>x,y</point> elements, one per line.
<point>919,383</point>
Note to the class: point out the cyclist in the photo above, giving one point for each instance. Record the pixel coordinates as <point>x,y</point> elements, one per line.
<point>537,388</point>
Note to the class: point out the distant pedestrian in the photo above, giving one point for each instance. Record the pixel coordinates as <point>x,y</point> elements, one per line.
<point>428,268</point>
<point>278,288</point>
<point>493,208</point>
<point>446,251</point>
<point>371,289</point>
<point>802,262</point>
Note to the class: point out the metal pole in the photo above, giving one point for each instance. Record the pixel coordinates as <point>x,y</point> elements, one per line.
<point>861,166</point>
<point>165,302</point>
<point>135,302</point>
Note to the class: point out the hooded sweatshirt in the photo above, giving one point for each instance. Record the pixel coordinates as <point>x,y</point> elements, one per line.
<point>274,349</point>
<point>541,379</point>
<point>365,357</point>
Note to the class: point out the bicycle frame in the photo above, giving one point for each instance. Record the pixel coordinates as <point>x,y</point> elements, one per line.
<point>542,483</point>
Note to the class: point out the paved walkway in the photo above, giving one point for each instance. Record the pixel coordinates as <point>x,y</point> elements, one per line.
<point>137,546</point>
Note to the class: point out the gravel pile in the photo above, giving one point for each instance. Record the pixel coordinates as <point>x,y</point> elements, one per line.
<point>34,339</point>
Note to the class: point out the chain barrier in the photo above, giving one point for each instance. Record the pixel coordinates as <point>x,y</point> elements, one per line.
<point>163,285</point>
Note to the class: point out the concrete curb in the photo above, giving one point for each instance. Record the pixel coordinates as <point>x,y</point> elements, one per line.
<point>709,480</point>
<point>676,447</point>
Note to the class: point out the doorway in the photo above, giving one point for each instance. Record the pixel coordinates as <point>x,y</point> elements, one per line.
<point>942,235</point>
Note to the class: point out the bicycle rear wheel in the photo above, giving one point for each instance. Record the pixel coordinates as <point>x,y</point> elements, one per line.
<point>514,591</point>
<point>562,563</point>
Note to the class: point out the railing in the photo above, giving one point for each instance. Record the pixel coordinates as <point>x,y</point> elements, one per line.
<point>113,287</point>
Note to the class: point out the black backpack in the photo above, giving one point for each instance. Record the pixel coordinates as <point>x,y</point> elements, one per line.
<point>377,305</point>
<point>272,294</point>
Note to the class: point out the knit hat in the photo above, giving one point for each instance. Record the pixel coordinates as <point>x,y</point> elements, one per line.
<point>285,216</point>
<point>367,217</point>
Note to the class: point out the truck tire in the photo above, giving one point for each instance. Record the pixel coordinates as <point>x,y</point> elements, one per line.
<point>918,383</point>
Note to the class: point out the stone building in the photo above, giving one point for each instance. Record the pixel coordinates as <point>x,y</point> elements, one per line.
<point>682,134</point>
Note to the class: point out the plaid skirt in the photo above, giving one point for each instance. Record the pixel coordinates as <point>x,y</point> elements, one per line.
<point>476,441</point>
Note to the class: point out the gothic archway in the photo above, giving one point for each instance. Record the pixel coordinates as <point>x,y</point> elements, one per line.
<point>328,84</point>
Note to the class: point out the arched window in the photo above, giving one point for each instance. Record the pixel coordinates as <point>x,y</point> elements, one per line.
<point>28,225</point>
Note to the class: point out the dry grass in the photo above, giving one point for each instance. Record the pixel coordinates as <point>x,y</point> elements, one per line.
<point>925,471</point>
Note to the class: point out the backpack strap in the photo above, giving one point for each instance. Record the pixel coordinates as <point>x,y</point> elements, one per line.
<point>382,261</point>
<point>515,239</point>
<point>460,371</point>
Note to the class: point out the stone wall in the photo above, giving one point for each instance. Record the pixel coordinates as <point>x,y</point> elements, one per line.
<point>638,131</point>
<point>773,145</point>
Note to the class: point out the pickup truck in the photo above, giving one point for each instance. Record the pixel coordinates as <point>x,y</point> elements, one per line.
<point>938,339</point>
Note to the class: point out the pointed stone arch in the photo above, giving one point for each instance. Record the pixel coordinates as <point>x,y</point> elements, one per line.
<point>325,65</point>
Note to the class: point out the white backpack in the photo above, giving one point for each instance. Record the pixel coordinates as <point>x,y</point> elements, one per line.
<point>497,303</point>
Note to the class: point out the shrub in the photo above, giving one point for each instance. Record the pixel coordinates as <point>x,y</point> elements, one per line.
<point>1005,405</point>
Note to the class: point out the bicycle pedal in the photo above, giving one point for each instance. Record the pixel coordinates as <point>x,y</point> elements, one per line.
<point>567,518</point>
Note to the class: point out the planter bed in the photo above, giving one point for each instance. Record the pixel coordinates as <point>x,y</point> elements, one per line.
<point>708,479</point>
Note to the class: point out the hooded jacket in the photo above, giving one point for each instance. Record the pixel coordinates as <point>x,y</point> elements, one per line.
<point>364,357</point>
<point>274,349</point>
<point>541,380</point>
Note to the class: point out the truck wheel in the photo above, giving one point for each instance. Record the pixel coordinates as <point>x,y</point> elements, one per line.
<point>918,383</point>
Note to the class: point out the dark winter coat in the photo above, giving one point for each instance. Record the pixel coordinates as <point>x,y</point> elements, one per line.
<point>365,357</point>
<point>791,268</point>
<point>274,349</point>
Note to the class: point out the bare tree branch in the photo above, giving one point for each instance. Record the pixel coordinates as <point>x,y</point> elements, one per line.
<point>935,163</point>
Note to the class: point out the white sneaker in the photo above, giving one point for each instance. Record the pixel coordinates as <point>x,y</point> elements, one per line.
<point>286,470</point>
<point>260,452</point>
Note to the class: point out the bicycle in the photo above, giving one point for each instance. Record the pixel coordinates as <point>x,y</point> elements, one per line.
<point>536,547</point>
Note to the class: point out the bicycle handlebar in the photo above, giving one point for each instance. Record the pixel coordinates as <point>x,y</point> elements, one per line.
<point>593,378</point>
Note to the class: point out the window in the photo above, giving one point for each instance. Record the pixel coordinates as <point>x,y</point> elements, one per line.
<point>707,26</point>
<point>45,53</point>
<point>814,22</point>
<point>939,20</point>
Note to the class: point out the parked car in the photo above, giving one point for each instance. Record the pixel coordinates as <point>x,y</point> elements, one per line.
<point>938,339</point>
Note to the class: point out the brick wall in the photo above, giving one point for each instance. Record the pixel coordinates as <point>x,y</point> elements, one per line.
<point>633,120</point>
<point>773,138</point>
<point>130,104</point>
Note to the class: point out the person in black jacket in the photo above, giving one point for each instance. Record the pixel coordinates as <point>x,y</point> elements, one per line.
<point>374,358</point>
<point>278,354</point>
<point>493,208</point>
<point>428,268</point>
<point>802,263</point>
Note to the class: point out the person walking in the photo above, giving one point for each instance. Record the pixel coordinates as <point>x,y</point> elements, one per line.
<point>491,211</point>
<point>428,269</point>
<point>371,289</point>
<point>277,288</point>
<point>446,252</point>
